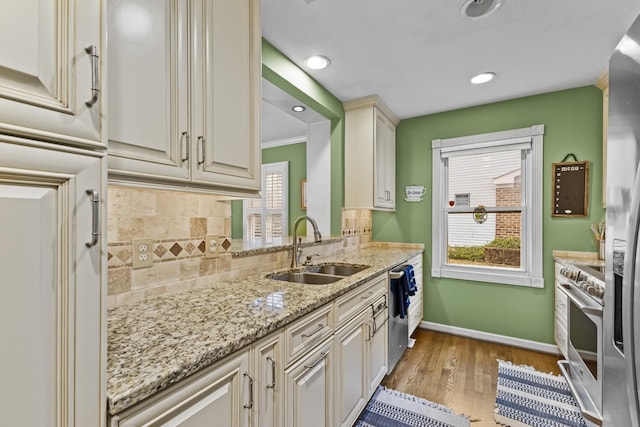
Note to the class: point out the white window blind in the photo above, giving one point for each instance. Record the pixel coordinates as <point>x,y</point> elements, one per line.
<point>266,219</point>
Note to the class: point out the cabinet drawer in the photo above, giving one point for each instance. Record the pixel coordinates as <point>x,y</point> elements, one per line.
<point>352,303</point>
<point>305,333</point>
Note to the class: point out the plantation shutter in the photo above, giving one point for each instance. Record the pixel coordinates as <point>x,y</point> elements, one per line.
<point>267,218</point>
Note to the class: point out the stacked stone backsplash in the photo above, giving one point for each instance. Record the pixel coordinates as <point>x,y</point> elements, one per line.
<point>356,226</point>
<point>177,223</point>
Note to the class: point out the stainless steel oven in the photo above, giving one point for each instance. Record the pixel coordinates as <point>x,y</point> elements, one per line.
<point>584,365</point>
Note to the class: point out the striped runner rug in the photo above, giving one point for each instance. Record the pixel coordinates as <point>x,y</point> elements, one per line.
<point>526,397</point>
<point>390,408</point>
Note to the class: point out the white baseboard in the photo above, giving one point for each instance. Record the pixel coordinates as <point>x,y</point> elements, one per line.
<point>486,336</point>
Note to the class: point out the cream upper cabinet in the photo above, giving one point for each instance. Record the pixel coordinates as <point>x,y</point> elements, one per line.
<point>184,93</point>
<point>50,71</point>
<point>52,310</point>
<point>370,160</point>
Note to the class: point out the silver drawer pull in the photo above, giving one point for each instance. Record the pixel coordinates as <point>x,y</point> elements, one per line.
<point>201,148</point>
<point>273,372</point>
<point>250,404</point>
<point>315,331</point>
<point>95,218</point>
<point>95,77</point>
<point>320,359</point>
<point>185,136</point>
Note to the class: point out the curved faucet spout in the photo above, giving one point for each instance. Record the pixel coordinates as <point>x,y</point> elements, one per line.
<point>297,250</point>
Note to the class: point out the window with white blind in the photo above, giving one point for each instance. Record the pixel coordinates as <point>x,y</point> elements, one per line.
<point>266,219</point>
<point>487,207</point>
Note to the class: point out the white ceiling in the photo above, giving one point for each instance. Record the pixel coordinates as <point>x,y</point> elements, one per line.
<point>418,55</point>
<point>279,123</point>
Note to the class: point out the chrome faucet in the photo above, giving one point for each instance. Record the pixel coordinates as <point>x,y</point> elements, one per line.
<point>297,250</point>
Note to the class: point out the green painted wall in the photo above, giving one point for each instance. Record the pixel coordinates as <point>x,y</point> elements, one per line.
<point>573,124</point>
<point>296,155</point>
<point>281,71</point>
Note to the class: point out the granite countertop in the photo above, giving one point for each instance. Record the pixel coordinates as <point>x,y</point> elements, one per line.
<point>153,344</point>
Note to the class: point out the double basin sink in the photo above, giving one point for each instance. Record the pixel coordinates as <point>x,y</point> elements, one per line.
<point>321,274</point>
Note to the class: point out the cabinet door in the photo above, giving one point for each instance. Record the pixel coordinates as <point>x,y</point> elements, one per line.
<point>309,389</point>
<point>377,355</point>
<point>226,95</point>
<point>385,162</point>
<point>217,398</point>
<point>46,76</point>
<point>351,369</point>
<point>149,132</point>
<point>52,316</point>
<point>269,386</point>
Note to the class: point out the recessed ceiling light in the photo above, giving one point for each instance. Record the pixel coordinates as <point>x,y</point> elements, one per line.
<point>482,78</point>
<point>479,8</point>
<point>317,62</point>
<point>298,108</point>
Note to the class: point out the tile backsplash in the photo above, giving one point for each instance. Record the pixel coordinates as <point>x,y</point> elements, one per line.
<point>177,223</point>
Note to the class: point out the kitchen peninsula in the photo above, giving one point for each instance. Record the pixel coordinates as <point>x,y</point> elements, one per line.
<point>156,343</point>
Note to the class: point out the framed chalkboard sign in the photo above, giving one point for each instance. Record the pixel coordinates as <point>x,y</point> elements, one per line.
<point>570,189</point>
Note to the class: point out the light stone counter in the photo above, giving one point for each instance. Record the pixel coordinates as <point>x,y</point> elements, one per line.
<point>156,343</point>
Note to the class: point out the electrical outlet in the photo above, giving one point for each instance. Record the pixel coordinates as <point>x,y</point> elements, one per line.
<point>142,253</point>
<point>211,246</point>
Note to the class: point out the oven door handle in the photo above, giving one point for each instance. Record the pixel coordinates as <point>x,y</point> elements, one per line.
<point>567,289</point>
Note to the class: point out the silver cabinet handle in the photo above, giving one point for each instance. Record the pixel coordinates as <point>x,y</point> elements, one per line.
<point>201,147</point>
<point>95,77</point>
<point>320,359</point>
<point>250,404</point>
<point>185,136</point>
<point>315,331</point>
<point>95,217</point>
<point>273,372</point>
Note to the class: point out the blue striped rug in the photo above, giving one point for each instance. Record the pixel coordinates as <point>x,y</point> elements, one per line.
<point>390,408</point>
<point>526,397</point>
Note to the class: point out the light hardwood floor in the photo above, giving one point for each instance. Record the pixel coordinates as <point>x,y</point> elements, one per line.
<point>459,372</point>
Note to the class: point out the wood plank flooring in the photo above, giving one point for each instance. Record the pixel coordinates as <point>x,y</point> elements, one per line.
<point>459,372</point>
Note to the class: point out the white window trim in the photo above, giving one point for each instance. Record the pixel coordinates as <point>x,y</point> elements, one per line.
<point>530,273</point>
<point>284,167</point>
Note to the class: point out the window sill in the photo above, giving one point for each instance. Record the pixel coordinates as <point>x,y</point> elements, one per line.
<point>489,275</point>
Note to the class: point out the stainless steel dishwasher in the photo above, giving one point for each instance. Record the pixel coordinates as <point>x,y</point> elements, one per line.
<point>398,323</point>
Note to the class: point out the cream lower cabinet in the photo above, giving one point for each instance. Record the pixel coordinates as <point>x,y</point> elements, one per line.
<point>219,396</point>
<point>52,298</point>
<point>377,344</point>
<point>184,93</point>
<point>361,347</point>
<point>268,368</point>
<point>351,369</point>
<point>50,71</point>
<point>309,389</point>
<point>415,313</point>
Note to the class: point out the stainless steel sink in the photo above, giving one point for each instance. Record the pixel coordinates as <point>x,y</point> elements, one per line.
<point>319,274</point>
<point>338,269</point>
<point>306,278</point>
